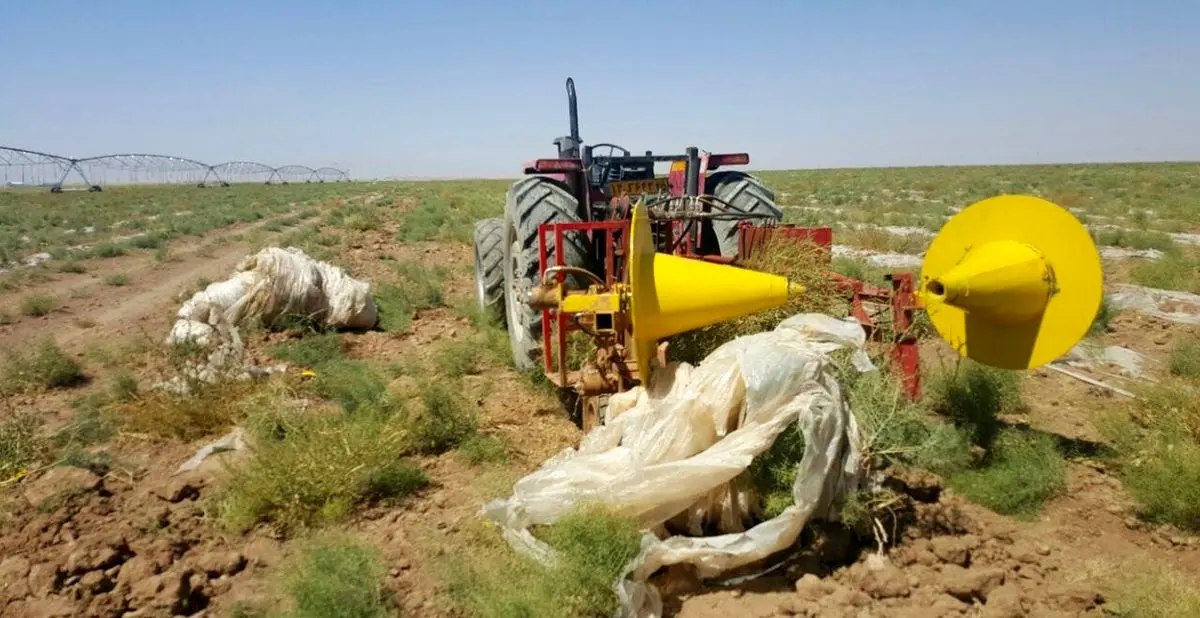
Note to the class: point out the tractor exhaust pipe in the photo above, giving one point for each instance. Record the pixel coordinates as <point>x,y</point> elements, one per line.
<point>573,107</point>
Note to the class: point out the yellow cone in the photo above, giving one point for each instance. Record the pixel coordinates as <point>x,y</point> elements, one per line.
<point>671,295</point>
<point>1012,281</point>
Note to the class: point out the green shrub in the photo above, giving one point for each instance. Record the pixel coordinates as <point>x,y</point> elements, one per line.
<point>1020,473</point>
<point>1153,590</point>
<point>594,547</point>
<point>352,384</point>
<point>480,449</point>
<point>773,473</point>
<point>147,241</point>
<point>417,288</point>
<point>394,480</point>
<point>1173,272</point>
<point>21,444</point>
<point>109,250</point>
<point>1185,358</point>
<point>1157,443</point>
<point>124,387</point>
<point>456,359</point>
<point>336,578</point>
<point>973,396</point>
<point>422,223</point>
<point>1104,316</point>
<point>37,305</point>
<point>307,470</point>
<point>312,351</point>
<point>441,421</point>
<point>116,280</point>
<point>47,368</point>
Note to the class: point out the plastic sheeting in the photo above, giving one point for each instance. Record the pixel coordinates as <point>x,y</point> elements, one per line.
<point>673,451</point>
<point>1172,305</point>
<point>272,283</point>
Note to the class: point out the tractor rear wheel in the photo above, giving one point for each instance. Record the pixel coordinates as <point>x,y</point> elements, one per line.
<point>530,203</point>
<point>747,194</point>
<point>489,266</point>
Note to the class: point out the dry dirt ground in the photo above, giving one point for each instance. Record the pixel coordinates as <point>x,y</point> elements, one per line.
<point>136,542</point>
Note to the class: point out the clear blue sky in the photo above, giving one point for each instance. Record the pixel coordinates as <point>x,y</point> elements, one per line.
<point>446,88</point>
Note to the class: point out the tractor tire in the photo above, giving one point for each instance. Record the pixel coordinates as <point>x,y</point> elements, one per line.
<point>489,266</point>
<point>746,193</point>
<point>530,203</point>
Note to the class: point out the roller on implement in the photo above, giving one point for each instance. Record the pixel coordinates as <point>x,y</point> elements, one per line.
<point>599,245</point>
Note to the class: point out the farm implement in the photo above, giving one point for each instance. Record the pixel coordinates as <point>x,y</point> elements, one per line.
<point>594,241</point>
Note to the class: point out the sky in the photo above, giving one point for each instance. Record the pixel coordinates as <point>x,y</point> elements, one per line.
<point>445,88</point>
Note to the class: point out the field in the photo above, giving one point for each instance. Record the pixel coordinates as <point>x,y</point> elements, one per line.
<point>359,492</point>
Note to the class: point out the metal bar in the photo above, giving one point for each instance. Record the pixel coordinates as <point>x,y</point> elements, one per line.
<point>547,365</point>
<point>693,172</point>
<point>562,325</point>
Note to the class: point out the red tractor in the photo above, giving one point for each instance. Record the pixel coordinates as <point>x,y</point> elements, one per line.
<point>571,214</point>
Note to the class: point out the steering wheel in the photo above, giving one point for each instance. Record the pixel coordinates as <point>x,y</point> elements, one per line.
<point>603,171</point>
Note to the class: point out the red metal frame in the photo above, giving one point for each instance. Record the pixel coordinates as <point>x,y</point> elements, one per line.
<point>555,324</point>
<point>899,298</point>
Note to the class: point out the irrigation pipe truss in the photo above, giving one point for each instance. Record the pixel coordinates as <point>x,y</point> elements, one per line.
<point>22,167</point>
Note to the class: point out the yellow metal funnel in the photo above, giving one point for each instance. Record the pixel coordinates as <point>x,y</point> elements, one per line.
<point>1013,281</point>
<point>669,294</point>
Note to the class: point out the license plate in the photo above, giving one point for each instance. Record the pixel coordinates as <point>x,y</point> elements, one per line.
<point>623,188</point>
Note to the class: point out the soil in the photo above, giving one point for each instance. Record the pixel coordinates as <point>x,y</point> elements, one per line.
<point>132,540</point>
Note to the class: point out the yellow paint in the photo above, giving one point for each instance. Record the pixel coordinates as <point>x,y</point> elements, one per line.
<point>1013,281</point>
<point>669,294</point>
<point>591,303</point>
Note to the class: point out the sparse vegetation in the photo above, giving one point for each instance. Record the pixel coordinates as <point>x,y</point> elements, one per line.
<point>363,436</point>
<point>441,421</point>
<point>47,367</point>
<point>208,409</point>
<point>482,449</point>
<point>124,387</point>
<point>1169,273</point>
<point>1148,590</point>
<point>1157,442</point>
<point>36,305</point>
<point>311,351</point>
<point>972,396</point>
<point>335,577</point>
<point>415,289</point>
<point>458,358</point>
<point>593,546</point>
<point>117,280</point>
<point>311,469</point>
<point>1185,358</point>
<point>1104,316</point>
<point>20,445</point>
<point>1020,472</point>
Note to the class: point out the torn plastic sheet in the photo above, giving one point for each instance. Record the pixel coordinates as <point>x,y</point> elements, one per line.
<point>673,451</point>
<point>235,440</point>
<point>272,283</point>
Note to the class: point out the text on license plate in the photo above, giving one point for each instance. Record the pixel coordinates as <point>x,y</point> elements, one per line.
<point>623,188</point>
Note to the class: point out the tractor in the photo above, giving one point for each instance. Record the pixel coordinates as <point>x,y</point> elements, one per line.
<point>569,219</point>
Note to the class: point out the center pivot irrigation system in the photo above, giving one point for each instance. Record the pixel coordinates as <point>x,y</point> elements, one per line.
<point>594,241</point>
<point>29,168</point>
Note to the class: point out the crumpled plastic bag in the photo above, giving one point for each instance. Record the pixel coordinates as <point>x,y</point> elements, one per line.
<point>272,283</point>
<point>672,451</point>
